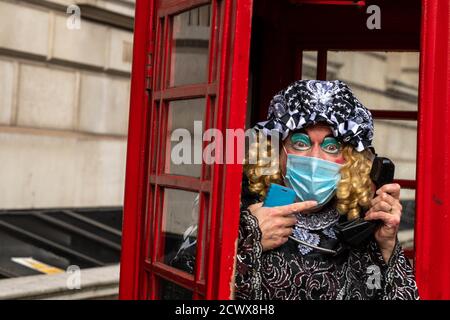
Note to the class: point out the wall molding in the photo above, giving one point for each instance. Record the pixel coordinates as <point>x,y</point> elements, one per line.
<point>31,57</point>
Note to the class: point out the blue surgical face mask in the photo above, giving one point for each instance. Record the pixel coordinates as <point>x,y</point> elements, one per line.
<point>312,178</point>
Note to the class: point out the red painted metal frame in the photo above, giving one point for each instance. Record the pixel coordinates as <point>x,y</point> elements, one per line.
<point>153,265</point>
<point>331,2</point>
<point>322,58</point>
<point>137,157</point>
<point>225,93</point>
<point>406,184</point>
<point>432,236</point>
<point>394,115</point>
<point>234,91</point>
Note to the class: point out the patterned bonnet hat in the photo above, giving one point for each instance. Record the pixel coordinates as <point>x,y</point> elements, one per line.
<point>307,102</point>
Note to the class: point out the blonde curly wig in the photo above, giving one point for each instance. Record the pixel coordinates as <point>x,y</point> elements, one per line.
<point>354,190</point>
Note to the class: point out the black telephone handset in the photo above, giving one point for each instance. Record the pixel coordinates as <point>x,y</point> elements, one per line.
<point>382,172</point>
<point>357,232</point>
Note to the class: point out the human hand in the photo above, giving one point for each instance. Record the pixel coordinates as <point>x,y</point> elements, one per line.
<point>276,223</point>
<point>386,207</point>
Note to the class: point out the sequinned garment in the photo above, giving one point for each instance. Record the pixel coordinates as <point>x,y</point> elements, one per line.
<point>287,273</point>
<point>296,272</point>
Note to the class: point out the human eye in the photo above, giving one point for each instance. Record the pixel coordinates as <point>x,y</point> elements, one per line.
<point>300,141</point>
<point>331,145</point>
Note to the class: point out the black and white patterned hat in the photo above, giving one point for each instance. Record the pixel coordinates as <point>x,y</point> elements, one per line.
<point>307,102</point>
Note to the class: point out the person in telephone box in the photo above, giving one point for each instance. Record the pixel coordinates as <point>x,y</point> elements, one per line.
<point>325,155</point>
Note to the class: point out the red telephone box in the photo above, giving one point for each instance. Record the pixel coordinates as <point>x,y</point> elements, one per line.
<point>259,41</point>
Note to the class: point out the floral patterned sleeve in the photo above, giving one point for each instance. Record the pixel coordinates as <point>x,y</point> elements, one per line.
<point>248,262</point>
<point>397,276</point>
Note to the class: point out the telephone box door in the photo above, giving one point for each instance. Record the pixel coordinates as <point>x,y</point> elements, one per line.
<point>190,72</point>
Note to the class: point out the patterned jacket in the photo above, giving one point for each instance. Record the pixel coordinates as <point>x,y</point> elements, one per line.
<point>296,272</point>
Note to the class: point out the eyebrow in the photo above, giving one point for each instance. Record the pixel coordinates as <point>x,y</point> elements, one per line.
<point>330,135</point>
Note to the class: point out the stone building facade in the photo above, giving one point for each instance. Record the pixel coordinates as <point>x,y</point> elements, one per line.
<point>64,99</point>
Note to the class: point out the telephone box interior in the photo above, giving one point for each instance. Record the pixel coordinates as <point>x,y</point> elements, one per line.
<point>295,39</point>
<point>283,30</point>
<point>289,40</point>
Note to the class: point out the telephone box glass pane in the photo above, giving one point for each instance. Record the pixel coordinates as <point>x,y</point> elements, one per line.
<point>397,140</point>
<point>190,44</point>
<point>184,156</point>
<point>309,65</point>
<point>179,229</point>
<point>406,231</point>
<point>380,80</point>
<point>171,291</point>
